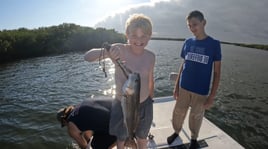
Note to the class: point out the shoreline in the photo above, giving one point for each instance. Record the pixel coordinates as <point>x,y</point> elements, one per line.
<point>255,46</point>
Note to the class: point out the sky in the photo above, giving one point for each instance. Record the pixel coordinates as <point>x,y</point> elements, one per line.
<point>32,14</point>
<point>239,21</point>
<point>242,21</point>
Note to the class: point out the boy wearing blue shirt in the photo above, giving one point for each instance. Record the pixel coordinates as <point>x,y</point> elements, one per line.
<point>201,55</point>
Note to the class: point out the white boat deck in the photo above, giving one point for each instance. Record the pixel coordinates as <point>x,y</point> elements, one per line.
<point>210,135</point>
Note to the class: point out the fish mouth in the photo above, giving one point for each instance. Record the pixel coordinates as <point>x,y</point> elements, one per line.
<point>129,91</point>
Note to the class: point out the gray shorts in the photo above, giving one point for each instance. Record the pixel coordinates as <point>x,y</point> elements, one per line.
<point>117,127</point>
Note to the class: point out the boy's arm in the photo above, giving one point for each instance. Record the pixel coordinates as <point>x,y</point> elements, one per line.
<point>96,54</point>
<point>151,84</point>
<point>176,87</point>
<point>151,80</point>
<point>77,135</point>
<point>215,84</point>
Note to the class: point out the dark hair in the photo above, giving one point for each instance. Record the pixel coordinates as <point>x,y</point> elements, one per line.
<point>195,14</point>
<point>63,114</point>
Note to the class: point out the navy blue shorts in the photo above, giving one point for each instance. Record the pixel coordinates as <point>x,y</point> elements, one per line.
<point>102,141</point>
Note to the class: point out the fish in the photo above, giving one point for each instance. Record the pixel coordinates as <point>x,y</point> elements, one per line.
<point>130,103</point>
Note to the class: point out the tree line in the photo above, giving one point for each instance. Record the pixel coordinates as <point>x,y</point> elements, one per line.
<point>25,43</point>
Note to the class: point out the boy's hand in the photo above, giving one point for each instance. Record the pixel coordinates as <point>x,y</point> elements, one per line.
<point>176,94</point>
<point>107,46</point>
<point>114,52</point>
<point>208,104</point>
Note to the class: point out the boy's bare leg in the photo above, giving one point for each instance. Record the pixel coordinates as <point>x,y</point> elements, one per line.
<point>112,146</point>
<point>142,143</point>
<point>120,144</point>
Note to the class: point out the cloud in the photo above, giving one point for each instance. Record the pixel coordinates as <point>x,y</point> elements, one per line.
<point>233,21</point>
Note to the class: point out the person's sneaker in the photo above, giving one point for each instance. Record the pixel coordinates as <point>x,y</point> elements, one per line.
<point>193,144</point>
<point>171,138</point>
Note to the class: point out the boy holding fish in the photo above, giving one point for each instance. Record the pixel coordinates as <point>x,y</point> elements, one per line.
<point>136,58</point>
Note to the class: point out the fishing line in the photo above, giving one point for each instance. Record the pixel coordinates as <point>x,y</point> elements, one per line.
<point>104,46</point>
<point>107,46</point>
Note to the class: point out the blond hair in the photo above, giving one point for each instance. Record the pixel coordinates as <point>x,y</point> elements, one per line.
<point>136,21</point>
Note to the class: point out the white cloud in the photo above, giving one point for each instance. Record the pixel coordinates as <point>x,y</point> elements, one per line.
<point>228,20</point>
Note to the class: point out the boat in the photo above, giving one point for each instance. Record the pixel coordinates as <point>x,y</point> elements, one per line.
<point>210,136</point>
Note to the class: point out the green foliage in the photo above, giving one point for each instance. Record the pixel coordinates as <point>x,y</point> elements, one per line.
<point>25,43</point>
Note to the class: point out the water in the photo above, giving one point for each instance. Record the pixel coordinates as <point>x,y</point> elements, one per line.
<point>31,91</point>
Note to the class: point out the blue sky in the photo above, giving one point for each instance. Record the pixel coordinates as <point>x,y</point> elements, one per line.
<point>38,13</point>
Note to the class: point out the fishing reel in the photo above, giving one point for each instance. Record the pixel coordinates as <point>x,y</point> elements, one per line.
<point>106,46</point>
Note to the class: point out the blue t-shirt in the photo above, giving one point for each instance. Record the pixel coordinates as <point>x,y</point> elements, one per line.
<point>199,56</point>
